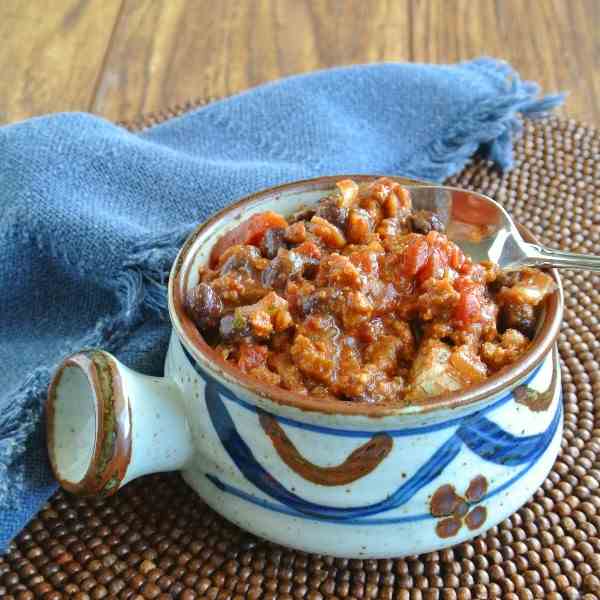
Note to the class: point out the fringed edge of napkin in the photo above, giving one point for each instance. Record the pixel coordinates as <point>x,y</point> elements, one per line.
<point>493,127</point>
<point>141,292</point>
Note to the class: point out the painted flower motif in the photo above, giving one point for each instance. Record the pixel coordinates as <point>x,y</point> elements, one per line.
<point>454,510</point>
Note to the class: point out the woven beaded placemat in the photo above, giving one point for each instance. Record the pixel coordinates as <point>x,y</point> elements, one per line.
<point>156,539</point>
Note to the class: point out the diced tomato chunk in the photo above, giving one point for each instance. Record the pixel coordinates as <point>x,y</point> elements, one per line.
<point>366,261</point>
<point>249,232</point>
<point>462,283</point>
<point>435,238</point>
<point>468,308</point>
<point>252,356</point>
<point>435,266</point>
<point>416,256</point>
<point>309,249</point>
<point>456,256</point>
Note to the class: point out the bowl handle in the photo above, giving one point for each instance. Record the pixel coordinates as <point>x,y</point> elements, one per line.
<point>107,424</point>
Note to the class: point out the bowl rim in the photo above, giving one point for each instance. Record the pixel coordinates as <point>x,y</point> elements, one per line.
<point>216,366</point>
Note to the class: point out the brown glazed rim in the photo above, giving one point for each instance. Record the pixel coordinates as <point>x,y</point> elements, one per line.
<point>112,446</point>
<point>218,367</point>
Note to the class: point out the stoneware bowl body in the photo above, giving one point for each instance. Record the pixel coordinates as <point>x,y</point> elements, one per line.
<point>338,478</point>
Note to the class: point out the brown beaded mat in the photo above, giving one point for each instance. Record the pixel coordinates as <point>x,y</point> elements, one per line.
<point>156,539</point>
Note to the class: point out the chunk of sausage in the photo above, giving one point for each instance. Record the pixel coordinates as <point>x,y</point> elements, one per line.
<point>295,233</point>
<point>359,226</point>
<point>267,315</point>
<point>511,345</point>
<point>312,358</point>
<point>339,272</point>
<point>390,194</point>
<point>329,234</point>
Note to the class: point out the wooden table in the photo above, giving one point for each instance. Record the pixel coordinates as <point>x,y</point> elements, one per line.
<point>120,58</point>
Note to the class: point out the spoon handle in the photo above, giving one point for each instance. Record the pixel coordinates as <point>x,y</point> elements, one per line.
<point>541,256</point>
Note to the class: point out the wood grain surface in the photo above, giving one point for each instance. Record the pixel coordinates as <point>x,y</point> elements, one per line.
<point>52,54</point>
<point>120,58</point>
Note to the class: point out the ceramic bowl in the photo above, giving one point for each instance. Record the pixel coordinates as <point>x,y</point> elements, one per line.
<point>332,477</point>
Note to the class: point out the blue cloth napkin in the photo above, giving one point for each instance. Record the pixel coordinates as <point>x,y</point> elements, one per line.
<point>91,216</point>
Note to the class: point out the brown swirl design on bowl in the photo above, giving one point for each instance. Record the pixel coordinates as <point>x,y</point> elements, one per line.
<point>359,463</point>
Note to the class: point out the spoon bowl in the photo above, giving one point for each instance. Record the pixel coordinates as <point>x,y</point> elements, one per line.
<point>485,231</point>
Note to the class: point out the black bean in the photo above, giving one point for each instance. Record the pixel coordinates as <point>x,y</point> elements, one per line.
<point>330,211</point>
<point>310,268</point>
<point>424,221</point>
<point>305,214</point>
<point>242,259</point>
<point>204,306</point>
<point>308,304</point>
<point>507,278</point>
<point>286,265</point>
<point>272,241</point>
<point>520,317</point>
<point>504,279</point>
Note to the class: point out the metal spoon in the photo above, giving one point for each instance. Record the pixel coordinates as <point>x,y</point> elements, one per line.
<point>484,230</point>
